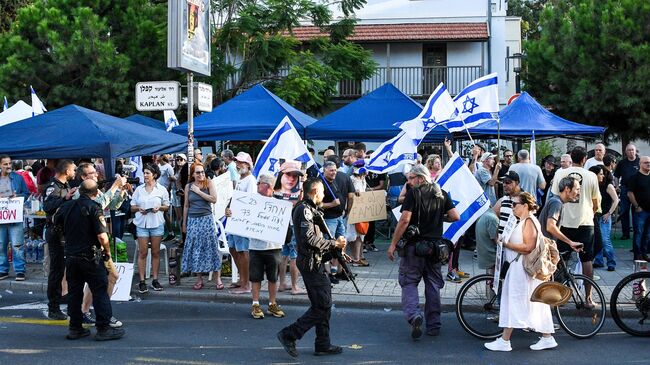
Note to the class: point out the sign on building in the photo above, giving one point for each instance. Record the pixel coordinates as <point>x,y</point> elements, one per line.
<point>204,96</point>
<point>157,95</point>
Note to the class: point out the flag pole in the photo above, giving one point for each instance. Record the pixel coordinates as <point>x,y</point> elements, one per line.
<point>327,185</point>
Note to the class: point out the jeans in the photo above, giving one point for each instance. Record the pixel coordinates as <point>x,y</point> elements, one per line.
<point>336,226</point>
<point>641,233</point>
<point>12,232</point>
<point>608,247</point>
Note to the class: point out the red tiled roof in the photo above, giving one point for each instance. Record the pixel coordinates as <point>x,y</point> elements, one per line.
<point>406,32</point>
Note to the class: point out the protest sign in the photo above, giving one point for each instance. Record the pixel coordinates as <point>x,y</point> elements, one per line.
<point>122,288</point>
<point>368,206</point>
<point>397,212</point>
<point>11,210</point>
<point>259,217</point>
<point>503,238</point>
<point>224,188</point>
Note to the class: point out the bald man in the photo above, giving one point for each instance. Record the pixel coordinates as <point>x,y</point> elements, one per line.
<point>599,154</point>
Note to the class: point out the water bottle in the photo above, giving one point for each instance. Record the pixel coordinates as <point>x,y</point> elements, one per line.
<point>40,252</point>
<point>29,251</point>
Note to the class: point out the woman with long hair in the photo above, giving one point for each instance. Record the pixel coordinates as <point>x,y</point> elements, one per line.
<point>603,217</point>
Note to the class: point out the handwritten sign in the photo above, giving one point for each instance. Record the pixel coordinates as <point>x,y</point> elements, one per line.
<point>122,289</point>
<point>224,188</point>
<point>504,237</point>
<point>11,210</point>
<point>256,216</point>
<point>368,206</point>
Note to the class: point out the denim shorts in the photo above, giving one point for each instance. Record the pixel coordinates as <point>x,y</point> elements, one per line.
<point>289,250</point>
<point>240,244</point>
<point>150,232</point>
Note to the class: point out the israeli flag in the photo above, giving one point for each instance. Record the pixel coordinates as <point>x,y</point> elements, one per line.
<point>170,119</point>
<point>393,153</point>
<point>477,103</point>
<point>533,150</point>
<point>465,192</point>
<point>37,106</point>
<point>6,105</point>
<point>439,109</point>
<point>137,162</point>
<point>283,144</point>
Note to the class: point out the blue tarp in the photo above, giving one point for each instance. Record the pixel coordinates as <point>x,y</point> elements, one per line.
<point>250,116</point>
<point>526,115</point>
<point>74,131</point>
<point>149,122</point>
<point>371,118</point>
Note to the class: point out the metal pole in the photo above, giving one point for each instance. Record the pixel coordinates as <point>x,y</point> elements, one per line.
<point>517,83</point>
<point>190,118</point>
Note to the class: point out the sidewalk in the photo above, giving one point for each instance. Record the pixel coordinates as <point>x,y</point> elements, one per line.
<point>377,283</point>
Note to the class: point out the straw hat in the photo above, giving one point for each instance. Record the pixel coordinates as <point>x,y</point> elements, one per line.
<point>551,293</point>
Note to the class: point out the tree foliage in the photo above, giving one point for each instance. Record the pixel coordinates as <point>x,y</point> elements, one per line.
<point>530,12</point>
<point>591,64</point>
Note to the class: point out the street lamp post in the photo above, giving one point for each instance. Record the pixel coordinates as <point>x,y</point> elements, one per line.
<point>516,63</point>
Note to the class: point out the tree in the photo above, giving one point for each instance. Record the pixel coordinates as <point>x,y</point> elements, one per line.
<point>529,11</point>
<point>590,64</point>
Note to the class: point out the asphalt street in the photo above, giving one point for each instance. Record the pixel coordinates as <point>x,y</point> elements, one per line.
<point>197,333</point>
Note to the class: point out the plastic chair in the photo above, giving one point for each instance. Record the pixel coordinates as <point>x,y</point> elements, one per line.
<point>163,252</point>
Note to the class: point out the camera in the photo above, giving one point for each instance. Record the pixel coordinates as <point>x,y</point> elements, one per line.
<point>411,232</point>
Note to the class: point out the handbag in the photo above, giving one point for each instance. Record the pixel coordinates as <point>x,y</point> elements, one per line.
<point>439,249</point>
<point>362,227</point>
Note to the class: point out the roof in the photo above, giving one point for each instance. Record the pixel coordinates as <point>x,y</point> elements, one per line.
<point>406,32</point>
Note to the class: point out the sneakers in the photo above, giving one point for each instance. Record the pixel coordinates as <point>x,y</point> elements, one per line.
<point>498,345</point>
<point>544,343</point>
<point>462,274</point>
<point>4,275</point>
<point>88,318</point>
<point>332,350</point>
<point>20,276</point>
<point>109,333</point>
<point>57,315</point>
<point>256,312</point>
<point>611,268</point>
<point>416,331</point>
<point>453,277</point>
<point>372,247</point>
<point>142,287</point>
<point>75,334</point>
<point>155,285</point>
<point>275,310</point>
<point>115,323</point>
<point>289,345</point>
<point>333,279</point>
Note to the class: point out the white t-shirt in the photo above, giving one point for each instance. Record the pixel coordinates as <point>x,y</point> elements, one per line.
<point>156,198</point>
<point>259,245</point>
<point>530,176</point>
<point>592,162</point>
<point>247,184</point>
<point>580,213</point>
<point>166,171</point>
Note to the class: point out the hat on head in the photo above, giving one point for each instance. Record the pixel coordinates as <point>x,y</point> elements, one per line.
<point>358,170</point>
<point>486,156</point>
<point>511,175</point>
<point>181,155</point>
<point>291,166</point>
<point>244,157</point>
<point>551,293</point>
<point>550,159</point>
<point>359,163</point>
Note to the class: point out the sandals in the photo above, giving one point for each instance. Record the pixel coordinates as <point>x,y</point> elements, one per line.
<point>198,285</point>
<point>234,286</point>
<point>220,286</point>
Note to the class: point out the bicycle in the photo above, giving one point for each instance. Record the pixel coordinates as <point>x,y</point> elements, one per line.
<point>477,306</point>
<point>630,304</point>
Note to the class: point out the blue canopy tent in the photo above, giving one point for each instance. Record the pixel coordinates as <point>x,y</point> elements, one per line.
<point>250,116</point>
<point>74,131</point>
<point>149,122</point>
<point>525,115</point>
<point>371,118</point>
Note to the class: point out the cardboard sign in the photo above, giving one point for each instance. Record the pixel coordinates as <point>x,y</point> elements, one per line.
<point>224,188</point>
<point>122,289</point>
<point>11,210</point>
<point>368,206</point>
<point>504,237</point>
<point>259,217</point>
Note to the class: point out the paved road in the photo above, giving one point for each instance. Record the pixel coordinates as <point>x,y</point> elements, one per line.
<point>197,333</point>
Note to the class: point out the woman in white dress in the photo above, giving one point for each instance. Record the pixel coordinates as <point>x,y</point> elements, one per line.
<point>517,311</point>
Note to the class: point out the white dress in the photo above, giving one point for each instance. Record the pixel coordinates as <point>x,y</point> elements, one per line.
<point>517,311</point>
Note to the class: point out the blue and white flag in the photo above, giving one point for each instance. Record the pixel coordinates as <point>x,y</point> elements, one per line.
<point>6,105</point>
<point>393,153</point>
<point>139,172</point>
<point>439,109</point>
<point>283,144</point>
<point>170,119</point>
<point>37,105</point>
<point>465,192</point>
<point>533,150</point>
<point>477,103</point>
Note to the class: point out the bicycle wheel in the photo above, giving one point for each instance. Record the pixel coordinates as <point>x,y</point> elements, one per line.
<point>477,308</point>
<point>574,317</point>
<point>630,304</point>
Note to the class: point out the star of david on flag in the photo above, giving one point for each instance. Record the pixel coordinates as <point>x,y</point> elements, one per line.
<point>393,153</point>
<point>477,103</point>
<point>439,109</point>
<point>283,144</point>
<point>170,119</point>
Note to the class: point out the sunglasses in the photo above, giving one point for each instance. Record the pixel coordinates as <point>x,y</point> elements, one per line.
<point>514,203</point>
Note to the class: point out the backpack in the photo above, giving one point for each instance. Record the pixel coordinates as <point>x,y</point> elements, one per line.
<point>541,263</point>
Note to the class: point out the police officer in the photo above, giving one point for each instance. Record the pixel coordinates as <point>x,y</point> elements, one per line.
<point>313,252</point>
<point>57,192</point>
<point>86,249</point>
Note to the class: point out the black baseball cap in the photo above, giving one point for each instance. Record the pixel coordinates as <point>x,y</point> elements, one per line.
<point>511,175</point>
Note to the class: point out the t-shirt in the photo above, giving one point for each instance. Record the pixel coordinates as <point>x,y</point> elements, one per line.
<point>580,213</point>
<point>505,212</point>
<point>552,209</point>
<point>247,184</point>
<point>592,162</point>
<point>530,177</point>
<point>341,186</point>
<point>374,179</point>
<point>232,169</point>
<point>5,187</point>
<point>159,196</point>
<point>433,209</point>
<point>483,175</point>
<point>166,171</point>
<point>625,169</point>
<point>44,175</point>
<point>259,245</point>
<point>639,184</point>
<point>487,229</point>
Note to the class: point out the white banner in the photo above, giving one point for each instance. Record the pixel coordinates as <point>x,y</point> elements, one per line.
<point>122,289</point>
<point>11,210</point>
<point>259,217</point>
<point>224,188</point>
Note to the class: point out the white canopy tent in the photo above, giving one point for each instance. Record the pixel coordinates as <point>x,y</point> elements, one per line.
<point>16,112</point>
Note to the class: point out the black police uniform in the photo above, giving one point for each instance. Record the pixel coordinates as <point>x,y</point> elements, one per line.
<point>55,192</point>
<point>312,254</point>
<point>82,221</point>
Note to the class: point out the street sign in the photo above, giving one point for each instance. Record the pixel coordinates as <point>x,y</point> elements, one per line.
<point>512,98</point>
<point>157,95</point>
<point>204,96</point>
